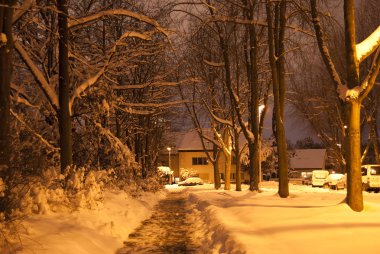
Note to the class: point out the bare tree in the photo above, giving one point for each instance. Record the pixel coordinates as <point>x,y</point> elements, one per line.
<point>276,35</point>
<point>353,91</point>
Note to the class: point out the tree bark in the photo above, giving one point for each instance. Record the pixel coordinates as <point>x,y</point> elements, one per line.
<point>64,118</point>
<point>6,49</point>
<point>354,177</point>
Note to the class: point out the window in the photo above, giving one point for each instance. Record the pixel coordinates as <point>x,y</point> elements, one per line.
<point>200,161</point>
<point>233,176</point>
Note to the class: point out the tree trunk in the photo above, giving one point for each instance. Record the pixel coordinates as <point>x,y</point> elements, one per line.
<point>276,51</point>
<point>64,118</point>
<point>6,49</point>
<point>227,172</point>
<point>354,177</point>
<point>217,183</point>
<point>238,163</point>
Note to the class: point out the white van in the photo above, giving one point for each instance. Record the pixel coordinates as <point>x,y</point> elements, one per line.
<point>371,177</point>
<point>319,178</point>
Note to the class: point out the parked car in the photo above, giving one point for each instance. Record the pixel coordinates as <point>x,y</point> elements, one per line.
<point>371,177</point>
<point>191,181</point>
<point>318,178</point>
<point>306,178</point>
<point>336,181</point>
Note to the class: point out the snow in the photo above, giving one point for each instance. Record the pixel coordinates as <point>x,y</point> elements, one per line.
<point>100,230</point>
<point>164,171</point>
<point>368,46</point>
<point>347,94</point>
<point>311,220</point>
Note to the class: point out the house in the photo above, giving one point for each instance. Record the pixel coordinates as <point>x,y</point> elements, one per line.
<point>188,153</point>
<point>304,161</point>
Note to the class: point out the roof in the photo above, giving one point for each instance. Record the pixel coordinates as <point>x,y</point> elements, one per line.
<point>191,141</point>
<point>308,159</point>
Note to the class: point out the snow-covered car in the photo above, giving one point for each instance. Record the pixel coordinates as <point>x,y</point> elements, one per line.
<point>318,178</point>
<point>371,177</point>
<point>336,181</point>
<point>191,181</point>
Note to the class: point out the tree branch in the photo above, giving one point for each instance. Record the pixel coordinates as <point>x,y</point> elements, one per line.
<point>75,23</point>
<point>323,46</point>
<point>38,75</point>
<point>368,46</point>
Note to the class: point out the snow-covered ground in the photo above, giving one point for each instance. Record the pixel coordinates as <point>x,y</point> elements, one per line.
<point>311,220</point>
<point>97,231</point>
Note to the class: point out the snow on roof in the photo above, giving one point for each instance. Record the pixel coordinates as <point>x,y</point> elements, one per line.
<point>308,158</point>
<point>191,141</point>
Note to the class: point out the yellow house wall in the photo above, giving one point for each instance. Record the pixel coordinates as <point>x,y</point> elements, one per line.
<point>206,172</point>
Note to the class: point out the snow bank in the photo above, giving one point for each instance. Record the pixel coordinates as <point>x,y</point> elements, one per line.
<point>311,220</point>
<point>100,230</point>
<point>217,237</point>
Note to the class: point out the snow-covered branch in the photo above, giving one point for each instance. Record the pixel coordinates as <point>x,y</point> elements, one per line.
<point>213,64</point>
<point>136,111</point>
<point>20,99</point>
<point>145,85</point>
<point>218,18</point>
<point>75,23</point>
<point>44,141</point>
<point>21,10</point>
<point>93,79</point>
<point>370,80</point>
<point>82,87</point>
<point>216,118</point>
<point>154,105</point>
<point>322,45</point>
<point>38,75</point>
<point>117,144</point>
<point>226,145</point>
<point>368,46</point>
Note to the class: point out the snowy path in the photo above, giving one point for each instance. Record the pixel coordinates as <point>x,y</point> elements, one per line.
<point>173,228</point>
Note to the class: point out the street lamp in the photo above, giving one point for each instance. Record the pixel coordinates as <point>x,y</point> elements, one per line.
<point>170,177</point>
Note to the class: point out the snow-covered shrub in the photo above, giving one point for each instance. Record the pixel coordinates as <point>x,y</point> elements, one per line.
<point>185,173</point>
<point>84,187</point>
<point>164,171</point>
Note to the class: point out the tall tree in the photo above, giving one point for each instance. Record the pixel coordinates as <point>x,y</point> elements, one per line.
<point>6,49</point>
<point>64,118</point>
<point>353,92</point>
<point>276,35</point>
<point>6,64</point>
